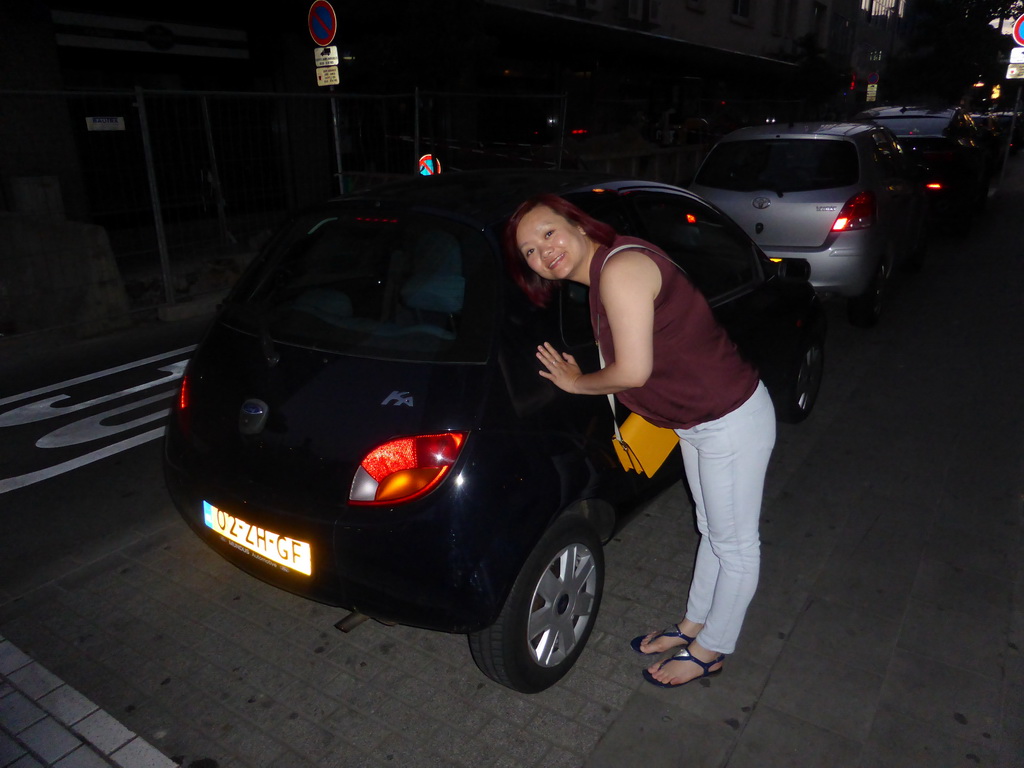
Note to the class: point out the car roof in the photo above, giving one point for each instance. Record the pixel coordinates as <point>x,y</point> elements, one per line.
<point>489,196</point>
<point>909,111</point>
<point>799,130</point>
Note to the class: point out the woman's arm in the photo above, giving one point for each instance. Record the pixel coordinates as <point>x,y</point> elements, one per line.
<point>629,284</point>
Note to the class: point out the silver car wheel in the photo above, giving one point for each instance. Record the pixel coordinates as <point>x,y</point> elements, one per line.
<point>562,605</point>
<point>809,378</point>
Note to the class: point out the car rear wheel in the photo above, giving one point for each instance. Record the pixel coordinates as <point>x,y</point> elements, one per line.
<point>865,310</point>
<point>801,390</point>
<point>550,611</point>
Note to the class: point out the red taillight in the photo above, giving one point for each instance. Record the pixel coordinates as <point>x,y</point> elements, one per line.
<point>183,394</point>
<point>405,468</point>
<point>858,213</point>
<point>181,410</point>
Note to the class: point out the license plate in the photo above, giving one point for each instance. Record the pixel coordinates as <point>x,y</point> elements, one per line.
<point>290,553</point>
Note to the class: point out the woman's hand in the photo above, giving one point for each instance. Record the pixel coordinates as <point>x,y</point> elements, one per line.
<point>561,368</point>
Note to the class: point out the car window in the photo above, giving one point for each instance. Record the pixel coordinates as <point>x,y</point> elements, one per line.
<point>886,154</point>
<point>713,252</point>
<point>915,125</point>
<point>780,165</point>
<point>710,248</point>
<point>399,285</point>
<point>574,299</point>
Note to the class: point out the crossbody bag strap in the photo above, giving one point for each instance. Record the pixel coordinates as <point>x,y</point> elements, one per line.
<point>600,357</point>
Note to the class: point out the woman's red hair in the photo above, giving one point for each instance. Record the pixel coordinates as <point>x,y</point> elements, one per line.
<point>538,289</point>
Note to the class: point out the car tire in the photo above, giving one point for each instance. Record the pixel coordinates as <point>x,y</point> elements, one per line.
<point>550,612</point>
<point>801,388</point>
<point>865,310</point>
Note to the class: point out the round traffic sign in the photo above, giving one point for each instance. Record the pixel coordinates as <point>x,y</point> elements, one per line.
<point>1018,32</point>
<point>429,165</point>
<point>322,22</point>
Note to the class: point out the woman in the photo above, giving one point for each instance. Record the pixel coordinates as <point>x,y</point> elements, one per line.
<point>667,359</point>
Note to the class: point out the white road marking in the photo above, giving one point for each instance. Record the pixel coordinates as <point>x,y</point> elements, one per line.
<point>41,410</point>
<point>21,481</point>
<point>92,376</point>
<point>90,428</point>
<point>93,428</point>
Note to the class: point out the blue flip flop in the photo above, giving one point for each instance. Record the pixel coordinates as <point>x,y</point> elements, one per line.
<point>670,632</point>
<point>684,655</point>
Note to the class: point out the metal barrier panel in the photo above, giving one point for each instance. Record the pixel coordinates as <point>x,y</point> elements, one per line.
<point>180,189</point>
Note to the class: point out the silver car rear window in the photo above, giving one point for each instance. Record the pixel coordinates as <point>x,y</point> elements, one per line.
<point>356,280</point>
<point>780,165</point>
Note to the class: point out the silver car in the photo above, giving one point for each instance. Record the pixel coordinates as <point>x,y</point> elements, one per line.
<point>842,196</point>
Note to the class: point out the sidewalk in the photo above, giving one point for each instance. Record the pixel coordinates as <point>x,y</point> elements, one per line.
<point>886,632</point>
<point>45,722</point>
<point>888,628</point>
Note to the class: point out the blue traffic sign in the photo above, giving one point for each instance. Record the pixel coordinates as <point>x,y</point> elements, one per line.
<point>323,24</point>
<point>429,166</point>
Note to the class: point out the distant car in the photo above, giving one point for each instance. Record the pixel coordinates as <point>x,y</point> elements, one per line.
<point>947,142</point>
<point>842,196</point>
<point>364,424</point>
<point>1013,127</point>
<point>993,137</point>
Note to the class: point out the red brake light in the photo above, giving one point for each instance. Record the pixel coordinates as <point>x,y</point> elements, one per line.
<point>181,405</point>
<point>183,394</point>
<point>405,468</point>
<point>858,213</point>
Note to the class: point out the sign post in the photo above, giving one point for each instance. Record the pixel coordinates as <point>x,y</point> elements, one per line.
<point>323,26</point>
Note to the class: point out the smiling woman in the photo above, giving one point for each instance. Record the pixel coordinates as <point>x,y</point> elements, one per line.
<point>668,360</point>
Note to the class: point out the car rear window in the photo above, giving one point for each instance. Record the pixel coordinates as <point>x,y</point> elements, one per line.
<point>780,165</point>
<point>358,280</point>
<point>914,125</point>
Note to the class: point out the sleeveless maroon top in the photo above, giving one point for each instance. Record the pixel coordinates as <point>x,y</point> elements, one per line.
<point>698,373</point>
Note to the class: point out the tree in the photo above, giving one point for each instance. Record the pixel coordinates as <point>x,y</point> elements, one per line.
<point>952,45</point>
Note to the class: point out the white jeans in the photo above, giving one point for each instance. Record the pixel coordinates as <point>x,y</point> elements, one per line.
<point>726,460</point>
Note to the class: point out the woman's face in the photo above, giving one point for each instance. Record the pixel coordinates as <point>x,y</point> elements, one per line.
<point>554,247</point>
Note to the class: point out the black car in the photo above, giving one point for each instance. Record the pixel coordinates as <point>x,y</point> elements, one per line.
<point>364,424</point>
<point>947,145</point>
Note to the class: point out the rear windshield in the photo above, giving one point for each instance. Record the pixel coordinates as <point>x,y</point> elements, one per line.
<point>780,165</point>
<point>914,125</point>
<point>361,281</point>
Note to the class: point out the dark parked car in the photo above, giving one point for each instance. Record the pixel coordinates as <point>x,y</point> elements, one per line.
<point>363,423</point>
<point>947,144</point>
<point>993,137</point>
<point>1013,126</point>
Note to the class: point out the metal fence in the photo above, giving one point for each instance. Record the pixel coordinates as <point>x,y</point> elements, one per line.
<point>177,190</point>
<point>186,185</point>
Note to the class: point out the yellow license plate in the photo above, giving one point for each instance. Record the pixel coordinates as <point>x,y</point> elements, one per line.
<point>289,553</point>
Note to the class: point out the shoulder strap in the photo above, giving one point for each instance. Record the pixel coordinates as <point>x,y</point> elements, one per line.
<point>612,252</point>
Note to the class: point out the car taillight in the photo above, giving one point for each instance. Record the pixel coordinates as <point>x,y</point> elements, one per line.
<point>405,468</point>
<point>183,394</point>
<point>181,405</point>
<point>858,213</point>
